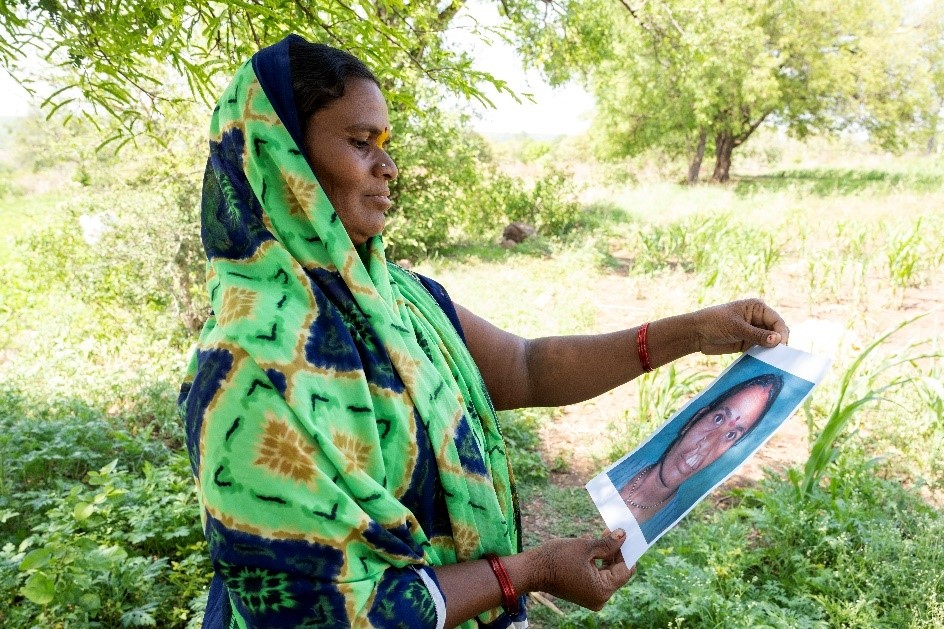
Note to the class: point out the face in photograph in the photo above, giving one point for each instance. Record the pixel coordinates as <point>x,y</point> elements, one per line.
<point>713,431</point>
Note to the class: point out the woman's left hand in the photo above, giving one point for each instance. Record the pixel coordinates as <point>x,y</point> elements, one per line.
<point>583,571</point>
<point>736,326</point>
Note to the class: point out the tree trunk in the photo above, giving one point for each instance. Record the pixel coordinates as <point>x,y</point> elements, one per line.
<point>724,147</point>
<point>695,167</point>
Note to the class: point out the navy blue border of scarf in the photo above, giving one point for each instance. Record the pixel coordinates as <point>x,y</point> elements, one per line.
<point>274,71</point>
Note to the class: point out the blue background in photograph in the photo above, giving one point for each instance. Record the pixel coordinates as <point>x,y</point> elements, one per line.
<point>694,489</point>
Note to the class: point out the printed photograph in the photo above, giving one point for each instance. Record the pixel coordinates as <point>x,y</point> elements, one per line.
<point>652,488</point>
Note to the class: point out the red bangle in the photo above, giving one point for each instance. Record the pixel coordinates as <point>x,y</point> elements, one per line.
<point>509,597</point>
<point>642,347</point>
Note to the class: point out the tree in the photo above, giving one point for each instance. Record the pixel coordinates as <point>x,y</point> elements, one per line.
<point>931,25</point>
<point>696,74</point>
<point>149,67</point>
<point>135,59</point>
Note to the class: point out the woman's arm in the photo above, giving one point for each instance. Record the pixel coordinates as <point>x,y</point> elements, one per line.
<point>566,568</point>
<point>559,370</point>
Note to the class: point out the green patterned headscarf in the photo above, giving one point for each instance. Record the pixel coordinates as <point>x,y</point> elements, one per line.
<point>328,385</point>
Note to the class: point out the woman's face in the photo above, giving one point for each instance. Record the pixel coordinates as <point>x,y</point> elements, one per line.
<point>346,144</point>
<point>715,430</point>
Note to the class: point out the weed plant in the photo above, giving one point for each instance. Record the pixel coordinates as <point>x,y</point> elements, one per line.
<point>718,248</point>
<point>856,389</point>
<point>118,549</point>
<point>906,256</point>
<point>860,551</point>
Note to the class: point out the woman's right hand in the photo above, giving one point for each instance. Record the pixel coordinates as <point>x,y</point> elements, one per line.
<point>736,326</point>
<point>568,569</point>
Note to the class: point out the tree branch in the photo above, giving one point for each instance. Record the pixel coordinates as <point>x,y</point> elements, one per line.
<point>445,16</point>
<point>738,140</point>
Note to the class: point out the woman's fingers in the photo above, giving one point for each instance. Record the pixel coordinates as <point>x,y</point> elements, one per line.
<point>608,545</point>
<point>577,577</point>
<point>615,573</point>
<point>738,325</point>
<point>614,566</point>
<point>618,574</point>
<point>773,321</point>
<point>749,333</point>
<point>766,326</point>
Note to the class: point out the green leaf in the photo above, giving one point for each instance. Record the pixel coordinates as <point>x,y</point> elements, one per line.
<point>35,559</point>
<point>83,511</point>
<point>113,553</point>
<point>138,618</point>
<point>90,602</point>
<point>39,589</point>
<point>933,386</point>
<point>108,469</point>
<point>7,514</point>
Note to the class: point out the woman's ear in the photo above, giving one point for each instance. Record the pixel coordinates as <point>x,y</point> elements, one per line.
<point>695,418</point>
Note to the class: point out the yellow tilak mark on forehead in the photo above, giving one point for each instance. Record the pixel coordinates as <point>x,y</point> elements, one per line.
<point>383,137</point>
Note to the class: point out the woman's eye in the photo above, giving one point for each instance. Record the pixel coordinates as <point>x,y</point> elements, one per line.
<point>719,419</point>
<point>361,144</point>
<point>731,434</point>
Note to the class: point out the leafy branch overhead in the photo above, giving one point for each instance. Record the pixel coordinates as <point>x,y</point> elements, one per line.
<point>134,60</point>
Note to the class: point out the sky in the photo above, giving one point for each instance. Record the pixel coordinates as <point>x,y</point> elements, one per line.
<point>13,99</point>
<point>556,111</point>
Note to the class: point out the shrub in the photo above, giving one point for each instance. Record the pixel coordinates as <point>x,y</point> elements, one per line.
<point>450,190</point>
<point>115,550</point>
<point>550,205</point>
<point>125,248</point>
<point>862,552</point>
<point>442,191</point>
<point>8,187</point>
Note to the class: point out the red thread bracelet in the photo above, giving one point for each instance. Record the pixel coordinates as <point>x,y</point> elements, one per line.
<point>642,347</point>
<point>509,597</point>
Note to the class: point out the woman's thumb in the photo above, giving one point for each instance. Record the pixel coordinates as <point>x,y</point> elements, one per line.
<point>609,544</point>
<point>758,336</point>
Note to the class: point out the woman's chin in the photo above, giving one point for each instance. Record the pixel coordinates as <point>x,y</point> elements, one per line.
<point>363,235</point>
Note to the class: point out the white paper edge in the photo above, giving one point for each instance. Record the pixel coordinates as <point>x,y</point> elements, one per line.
<point>793,361</point>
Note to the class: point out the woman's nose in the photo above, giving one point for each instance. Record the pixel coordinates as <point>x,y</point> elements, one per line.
<point>386,168</point>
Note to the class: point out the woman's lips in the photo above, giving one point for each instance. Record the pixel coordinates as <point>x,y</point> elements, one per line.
<point>382,200</point>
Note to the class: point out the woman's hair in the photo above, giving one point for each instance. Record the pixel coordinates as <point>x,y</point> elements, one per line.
<point>772,382</point>
<point>319,74</point>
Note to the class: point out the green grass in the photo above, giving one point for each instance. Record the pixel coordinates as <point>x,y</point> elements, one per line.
<point>839,182</point>
<point>22,215</point>
<point>92,351</point>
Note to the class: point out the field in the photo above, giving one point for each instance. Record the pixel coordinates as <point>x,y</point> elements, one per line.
<point>845,254</point>
<point>97,516</point>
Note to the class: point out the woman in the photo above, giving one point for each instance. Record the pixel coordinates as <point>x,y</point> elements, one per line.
<point>649,491</point>
<point>340,411</point>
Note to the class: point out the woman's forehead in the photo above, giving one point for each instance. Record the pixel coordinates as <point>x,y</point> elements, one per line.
<point>746,393</point>
<point>745,405</point>
<point>362,106</point>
